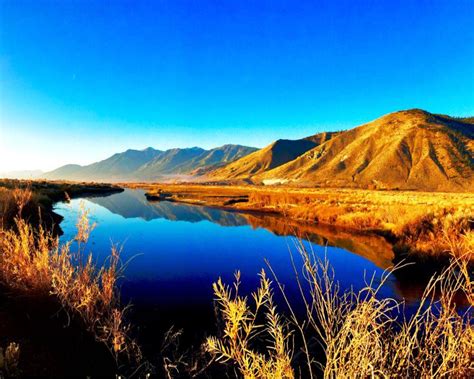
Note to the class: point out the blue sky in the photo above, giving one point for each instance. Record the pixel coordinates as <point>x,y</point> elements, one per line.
<point>80,80</point>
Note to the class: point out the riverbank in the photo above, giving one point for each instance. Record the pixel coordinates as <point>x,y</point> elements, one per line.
<point>54,309</point>
<point>38,197</point>
<point>426,226</point>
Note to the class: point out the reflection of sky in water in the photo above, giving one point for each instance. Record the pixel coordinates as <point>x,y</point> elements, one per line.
<point>176,251</point>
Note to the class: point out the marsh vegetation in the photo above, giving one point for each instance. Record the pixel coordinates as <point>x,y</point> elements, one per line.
<point>423,225</point>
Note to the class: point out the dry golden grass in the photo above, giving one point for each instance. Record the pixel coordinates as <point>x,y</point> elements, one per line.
<point>423,223</point>
<point>241,328</point>
<point>354,208</point>
<point>449,230</point>
<point>360,333</point>
<point>12,203</point>
<point>32,261</point>
<point>362,337</point>
<point>25,259</point>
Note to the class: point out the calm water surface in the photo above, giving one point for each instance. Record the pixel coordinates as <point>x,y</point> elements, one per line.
<point>176,251</point>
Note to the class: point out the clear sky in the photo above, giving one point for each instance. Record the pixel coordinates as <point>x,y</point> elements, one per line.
<point>81,80</point>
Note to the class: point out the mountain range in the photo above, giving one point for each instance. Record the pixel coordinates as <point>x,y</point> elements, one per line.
<point>269,158</point>
<point>151,164</point>
<point>411,149</point>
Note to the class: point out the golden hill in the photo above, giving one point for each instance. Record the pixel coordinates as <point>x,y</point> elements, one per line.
<point>268,158</point>
<point>410,149</point>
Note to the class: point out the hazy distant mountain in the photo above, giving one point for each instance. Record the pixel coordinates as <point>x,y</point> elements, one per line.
<point>21,174</point>
<point>150,164</point>
<point>410,149</point>
<point>188,161</point>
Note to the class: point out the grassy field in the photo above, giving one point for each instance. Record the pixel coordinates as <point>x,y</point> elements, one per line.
<point>421,224</point>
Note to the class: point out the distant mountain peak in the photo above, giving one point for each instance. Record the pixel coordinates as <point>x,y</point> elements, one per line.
<point>409,149</point>
<point>151,164</point>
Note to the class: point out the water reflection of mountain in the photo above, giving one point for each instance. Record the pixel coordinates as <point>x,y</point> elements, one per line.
<point>370,246</point>
<point>133,204</point>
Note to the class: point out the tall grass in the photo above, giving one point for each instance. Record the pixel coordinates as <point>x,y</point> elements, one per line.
<point>359,333</point>
<point>242,327</point>
<point>12,203</point>
<point>33,262</point>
